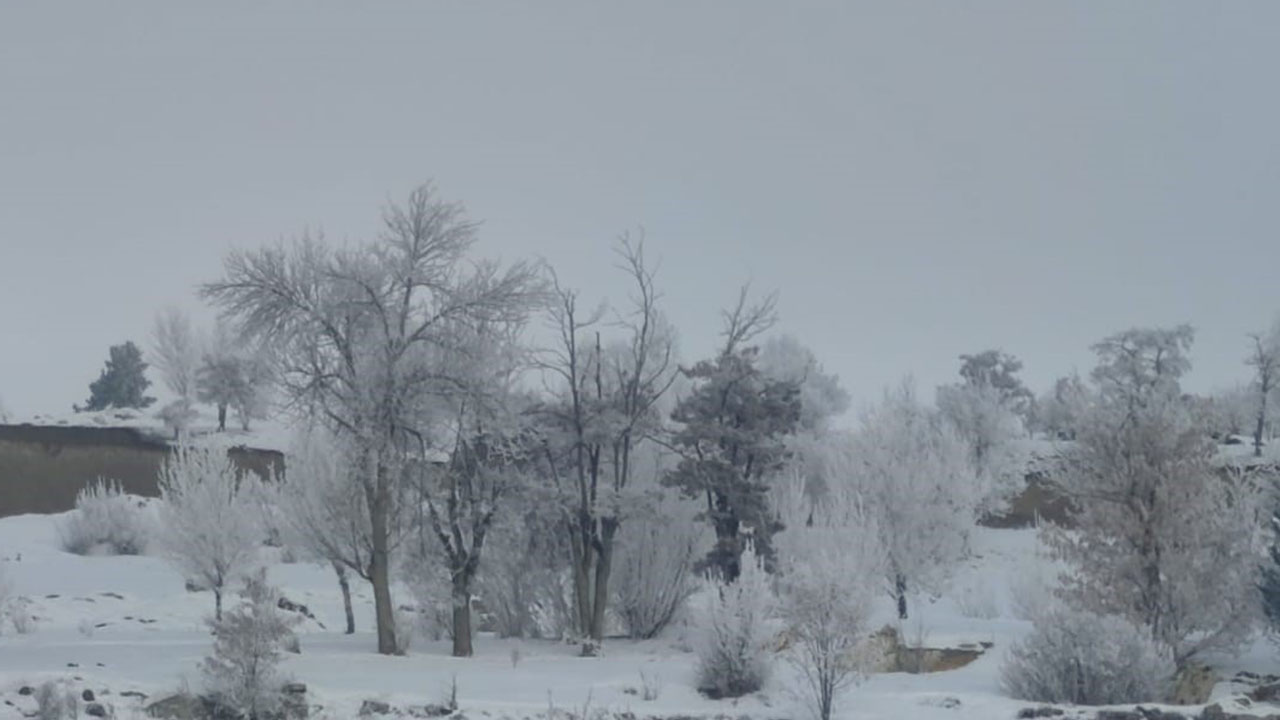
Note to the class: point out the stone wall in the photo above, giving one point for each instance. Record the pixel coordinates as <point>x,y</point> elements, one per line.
<point>43,467</point>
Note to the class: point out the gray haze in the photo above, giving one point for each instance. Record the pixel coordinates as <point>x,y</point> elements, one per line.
<point>918,180</point>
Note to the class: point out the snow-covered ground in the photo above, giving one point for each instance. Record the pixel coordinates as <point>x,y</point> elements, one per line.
<point>121,624</point>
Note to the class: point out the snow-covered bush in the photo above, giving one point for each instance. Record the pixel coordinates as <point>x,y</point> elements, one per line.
<point>242,673</point>
<point>1085,659</point>
<point>428,582</point>
<point>733,653</point>
<point>105,521</point>
<point>524,583</point>
<point>653,571</point>
<point>56,701</point>
<point>210,520</point>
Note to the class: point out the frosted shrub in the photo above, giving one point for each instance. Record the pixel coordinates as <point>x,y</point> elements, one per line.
<point>653,576</point>
<point>105,520</point>
<point>241,674</point>
<point>1085,659</point>
<point>733,655</point>
<point>56,701</point>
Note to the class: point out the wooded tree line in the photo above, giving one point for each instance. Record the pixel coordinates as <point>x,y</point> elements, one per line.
<point>590,479</point>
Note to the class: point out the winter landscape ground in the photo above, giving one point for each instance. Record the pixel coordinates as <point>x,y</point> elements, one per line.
<point>127,630</point>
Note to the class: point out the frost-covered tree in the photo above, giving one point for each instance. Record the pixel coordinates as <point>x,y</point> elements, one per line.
<point>1264,358</point>
<point>234,376</point>
<point>322,511</point>
<point>989,410</point>
<point>822,397</point>
<point>914,474</point>
<point>605,405</point>
<point>176,350</point>
<point>494,448</point>
<point>731,436</point>
<point>122,383</point>
<point>990,429</point>
<point>833,567</point>
<point>1058,412</point>
<point>998,371</point>
<point>732,648</point>
<point>242,673</point>
<point>209,521</point>
<point>1162,538</point>
<point>354,333</point>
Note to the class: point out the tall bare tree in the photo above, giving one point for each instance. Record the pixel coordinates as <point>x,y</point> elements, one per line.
<point>355,333</point>
<point>494,446</point>
<point>605,406</point>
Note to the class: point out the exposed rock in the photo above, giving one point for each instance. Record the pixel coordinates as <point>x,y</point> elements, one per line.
<point>1193,685</point>
<point>374,707</point>
<point>87,695</point>
<point>26,690</point>
<point>285,603</point>
<point>178,707</point>
<point>1215,712</point>
<point>1140,713</point>
<point>1269,692</point>
<point>1043,711</point>
<point>294,688</point>
<point>94,709</point>
<point>438,710</point>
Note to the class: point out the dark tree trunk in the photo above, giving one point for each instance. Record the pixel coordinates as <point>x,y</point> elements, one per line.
<point>900,590</point>
<point>222,417</point>
<point>217,603</point>
<point>380,564</point>
<point>583,561</point>
<point>604,567</point>
<point>462,614</point>
<point>1262,420</point>
<point>346,597</point>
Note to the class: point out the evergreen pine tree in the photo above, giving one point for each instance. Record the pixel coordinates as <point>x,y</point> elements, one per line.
<point>731,438</point>
<point>122,383</point>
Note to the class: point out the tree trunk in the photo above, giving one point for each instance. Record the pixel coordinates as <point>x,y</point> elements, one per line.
<point>222,417</point>
<point>217,603</point>
<point>580,547</point>
<point>346,597</point>
<point>462,614</point>
<point>900,590</point>
<point>380,565</point>
<point>1262,420</point>
<point>604,567</point>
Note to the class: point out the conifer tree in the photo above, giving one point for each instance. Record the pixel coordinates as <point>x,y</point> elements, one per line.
<point>122,383</point>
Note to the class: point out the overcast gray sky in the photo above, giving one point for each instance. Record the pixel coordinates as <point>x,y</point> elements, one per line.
<point>917,180</point>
